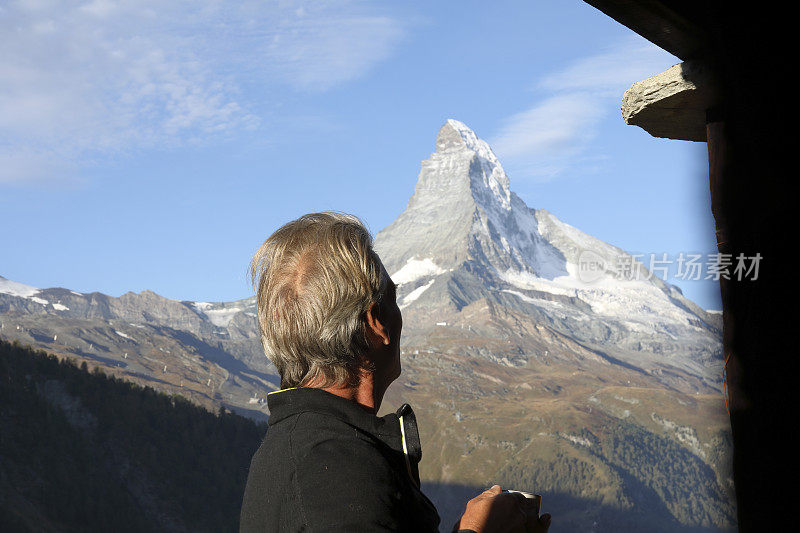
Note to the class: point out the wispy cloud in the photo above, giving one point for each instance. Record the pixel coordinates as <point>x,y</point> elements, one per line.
<point>320,48</point>
<point>81,80</point>
<point>553,136</point>
<point>556,125</point>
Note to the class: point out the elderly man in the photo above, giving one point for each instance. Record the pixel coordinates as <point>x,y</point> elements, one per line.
<point>331,325</point>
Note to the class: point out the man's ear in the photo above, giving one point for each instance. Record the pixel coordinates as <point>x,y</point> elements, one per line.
<point>375,328</point>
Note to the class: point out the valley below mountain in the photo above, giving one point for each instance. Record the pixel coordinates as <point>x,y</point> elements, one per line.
<point>602,393</point>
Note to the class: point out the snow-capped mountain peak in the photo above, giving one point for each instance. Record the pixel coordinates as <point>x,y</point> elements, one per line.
<point>490,184</point>
<point>464,137</point>
<point>463,210</point>
<point>465,236</point>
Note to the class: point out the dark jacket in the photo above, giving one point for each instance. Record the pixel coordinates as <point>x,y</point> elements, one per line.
<point>328,465</point>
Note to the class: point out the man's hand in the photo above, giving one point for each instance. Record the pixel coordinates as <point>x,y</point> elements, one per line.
<point>495,511</point>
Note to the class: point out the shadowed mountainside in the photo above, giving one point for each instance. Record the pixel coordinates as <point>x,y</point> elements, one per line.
<point>81,451</point>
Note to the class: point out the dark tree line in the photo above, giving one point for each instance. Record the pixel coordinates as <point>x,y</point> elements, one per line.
<point>686,484</point>
<point>83,451</point>
<point>638,481</point>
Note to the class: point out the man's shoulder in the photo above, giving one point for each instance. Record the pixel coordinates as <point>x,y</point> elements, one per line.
<point>344,476</point>
<point>324,440</point>
<point>339,476</point>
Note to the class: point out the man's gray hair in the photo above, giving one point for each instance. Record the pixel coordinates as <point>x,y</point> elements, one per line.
<point>317,276</point>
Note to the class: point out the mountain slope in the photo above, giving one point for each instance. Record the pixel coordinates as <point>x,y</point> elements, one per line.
<point>82,452</point>
<point>208,352</point>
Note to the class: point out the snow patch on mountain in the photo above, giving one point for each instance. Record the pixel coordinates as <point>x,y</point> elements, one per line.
<point>416,293</point>
<point>541,302</point>
<point>219,314</point>
<point>17,289</point>
<point>415,269</point>
<point>530,281</point>
<point>222,317</point>
<point>608,297</point>
<point>20,290</point>
<point>202,306</point>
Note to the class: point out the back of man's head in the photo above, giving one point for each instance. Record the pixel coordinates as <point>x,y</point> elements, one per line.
<point>316,277</point>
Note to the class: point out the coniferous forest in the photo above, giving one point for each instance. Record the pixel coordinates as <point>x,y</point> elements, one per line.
<point>82,451</point>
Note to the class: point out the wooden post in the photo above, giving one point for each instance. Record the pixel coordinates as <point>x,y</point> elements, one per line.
<point>717,170</point>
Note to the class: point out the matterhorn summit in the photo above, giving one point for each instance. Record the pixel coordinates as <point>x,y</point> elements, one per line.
<point>463,210</point>
<point>466,239</point>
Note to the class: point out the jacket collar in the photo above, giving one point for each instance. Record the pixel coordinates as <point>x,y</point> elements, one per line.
<point>288,402</point>
<point>403,439</point>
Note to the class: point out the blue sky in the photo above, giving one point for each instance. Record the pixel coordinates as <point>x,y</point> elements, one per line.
<point>153,145</point>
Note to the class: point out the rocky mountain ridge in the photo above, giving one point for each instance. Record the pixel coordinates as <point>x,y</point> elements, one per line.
<point>209,352</point>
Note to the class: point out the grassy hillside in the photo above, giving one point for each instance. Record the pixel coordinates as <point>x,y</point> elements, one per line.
<point>82,451</point>
<point>604,456</point>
